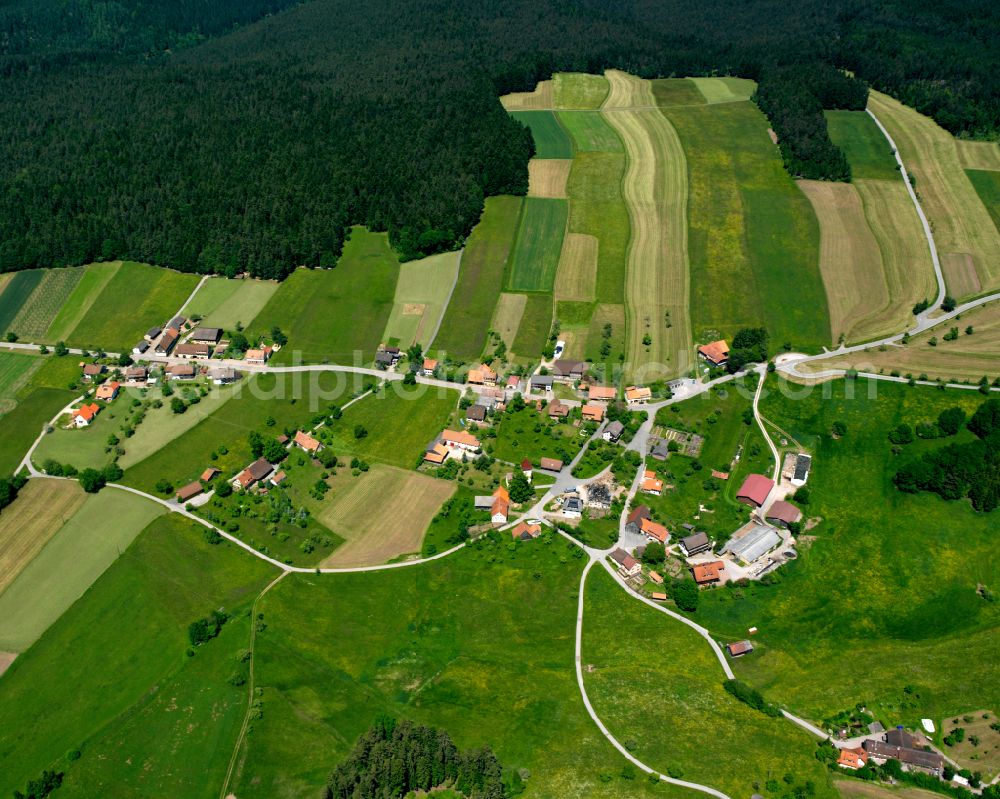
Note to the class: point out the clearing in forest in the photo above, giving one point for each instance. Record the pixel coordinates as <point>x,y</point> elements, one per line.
<point>542,97</point>
<point>535,258</point>
<point>961,223</point>
<point>409,499</point>
<point>421,296</point>
<point>507,316</point>
<point>655,192</point>
<point>577,275</point>
<point>579,90</point>
<point>551,140</point>
<point>42,507</point>
<point>547,177</point>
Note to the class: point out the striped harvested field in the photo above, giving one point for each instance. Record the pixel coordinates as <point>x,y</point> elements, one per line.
<point>627,91</point>
<point>961,222</point>
<point>579,90</point>
<point>409,499</point>
<point>535,258</point>
<point>979,154</point>
<point>967,358</point>
<point>42,507</point>
<point>542,97</point>
<point>507,316</point>
<point>655,192</point>
<point>547,177</point>
<point>45,301</point>
<point>577,275</point>
<point>725,90</point>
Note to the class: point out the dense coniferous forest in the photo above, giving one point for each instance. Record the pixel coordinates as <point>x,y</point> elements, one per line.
<point>394,758</point>
<point>188,135</point>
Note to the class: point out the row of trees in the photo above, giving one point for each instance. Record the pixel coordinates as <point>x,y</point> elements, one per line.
<point>394,758</point>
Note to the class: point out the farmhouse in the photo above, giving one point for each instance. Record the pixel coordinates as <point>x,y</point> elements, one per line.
<point>85,414</point>
<point>558,410</point>
<point>602,393</point>
<point>225,376</point>
<point>568,370</point>
<point>190,491</point>
<point>140,348</point>
<point>430,364</point>
<point>739,648</point>
<point>651,484</point>
<point>526,532</point>
<point>551,464</point>
<point>206,335</point>
<point>513,385</point>
<point>635,518</point>
<point>755,490</point>
<point>900,745</point>
<point>476,413</point>
<point>695,544</point>
<point>153,333</point>
<point>751,542</point>
<point>783,513</point>
<point>92,370</point>
<point>483,376</point>
<point>613,431</point>
<point>176,323</point>
<point>853,759</point>
<point>635,395</point>
<point>500,507</point>
<point>593,413</point>
<point>136,374</point>
<point>257,356</point>
<point>450,444</point>
<point>107,391</point>
<point>527,469</point>
<point>167,341</point>
<point>572,506</point>
<point>192,351</point>
<point>181,371</point>
<point>541,383</point>
<point>627,565</point>
<point>306,442</point>
<point>654,531</point>
<point>708,573</point>
<point>254,473</point>
<point>715,352</point>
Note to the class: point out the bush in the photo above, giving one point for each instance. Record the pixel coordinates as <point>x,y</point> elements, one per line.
<point>223,489</point>
<point>206,629</point>
<point>751,696</point>
<point>91,480</point>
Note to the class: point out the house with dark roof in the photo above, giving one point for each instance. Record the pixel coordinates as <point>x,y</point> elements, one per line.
<point>541,383</point>
<point>476,413</point>
<point>568,370</point>
<point>140,348</point>
<point>637,514</point>
<point>153,333</point>
<point>900,745</point>
<point>613,431</point>
<point>660,450</point>
<point>783,513</point>
<point>206,335</point>
<point>253,474</point>
<point>695,544</point>
<point>627,565</point>
<point>803,464</point>
<point>177,323</point>
<point>755,490</point>
<point>572,506</point>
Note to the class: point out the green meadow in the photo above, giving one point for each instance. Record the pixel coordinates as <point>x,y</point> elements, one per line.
<point>987,186</point>
<point>677,91</point>
<point>590,132</point>
<point>111,678</point>
<point>532,435</point>
<point>535,258</point>
<point>15,370</point>
<point>479,643</point>
<point>536,323</point>
<point>867,150</point>
<point>88,288</point>
<point>87,544</point>
<point>579,90</point>
<point>657,686</point>
<point>753,238</point>
<point>137,297</point>
<point>225,303</point>
<point>336,315</point>
<point>882,608</point>
<point>480,279</point>
<point>421,296</point>
<point>550,138</point>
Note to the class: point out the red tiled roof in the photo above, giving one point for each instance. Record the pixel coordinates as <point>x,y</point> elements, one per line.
<point>716,352</point>
<point>708,572</point>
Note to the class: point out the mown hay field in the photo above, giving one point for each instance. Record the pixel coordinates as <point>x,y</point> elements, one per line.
<point>421,296</point>
<point>660,686</point>
<point>547,177</point>
<point>44,303</point>
<point>961,223</point>
<point>551,140</point>
<point>627,91</point>
<point>979,154</point>
<point>507,316</point>
<point>111,677</point>
<point>89,541</point>
<point>677,91</point>
<point>226,303</point>
<point>576,278</point>
<point>535,258</point>
<point>867,150</point>
<point>137,297</point>
<point>480,279</point>
<point>725,90</point>
<point>655,192</point>
<point>590,132</point>
<point>579,90</point>
<point>42,507</point>
<point>543,96</point>
<point>536,322</point>
<point>753,238</point>
<point>966,359</point>
<point>406,502</point>
<point>92,282</point>
<point>336,315</point>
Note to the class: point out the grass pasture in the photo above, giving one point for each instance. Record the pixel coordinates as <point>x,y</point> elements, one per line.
<point>753,238</point>
<point>536,323</point>
<point>42,507</point>
<point>961,222</point>
<point>137,297</point>
<point>43,304</point>
<point>88,288</point>
<point>576,279</point>
<point>987,186</point>
<point>406,503</point>
<point>660,687</point>
<point>21,426</point>
<point>725,90</point>
<point>15,294</point>
<point>111,677</point>
<point>543,96</point>
<point>677,91</point>
<point>336,315</point>
<point>867,150</point>
<point>606,313</point>
<point>529,434</point>
<point>89,541</point>
<point>979,154</point>
<point>480,279</point>
<point>535,258</point>
<point>225,303</point>
<point>656,194</point>
<point>579,90</point>
<point>547,177</point>
<point>15,370</point>
<point>983,755</point>
<point>551,140</point>
<point>590,132</point>
<point>421,296</point>
<point>507,316</point>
